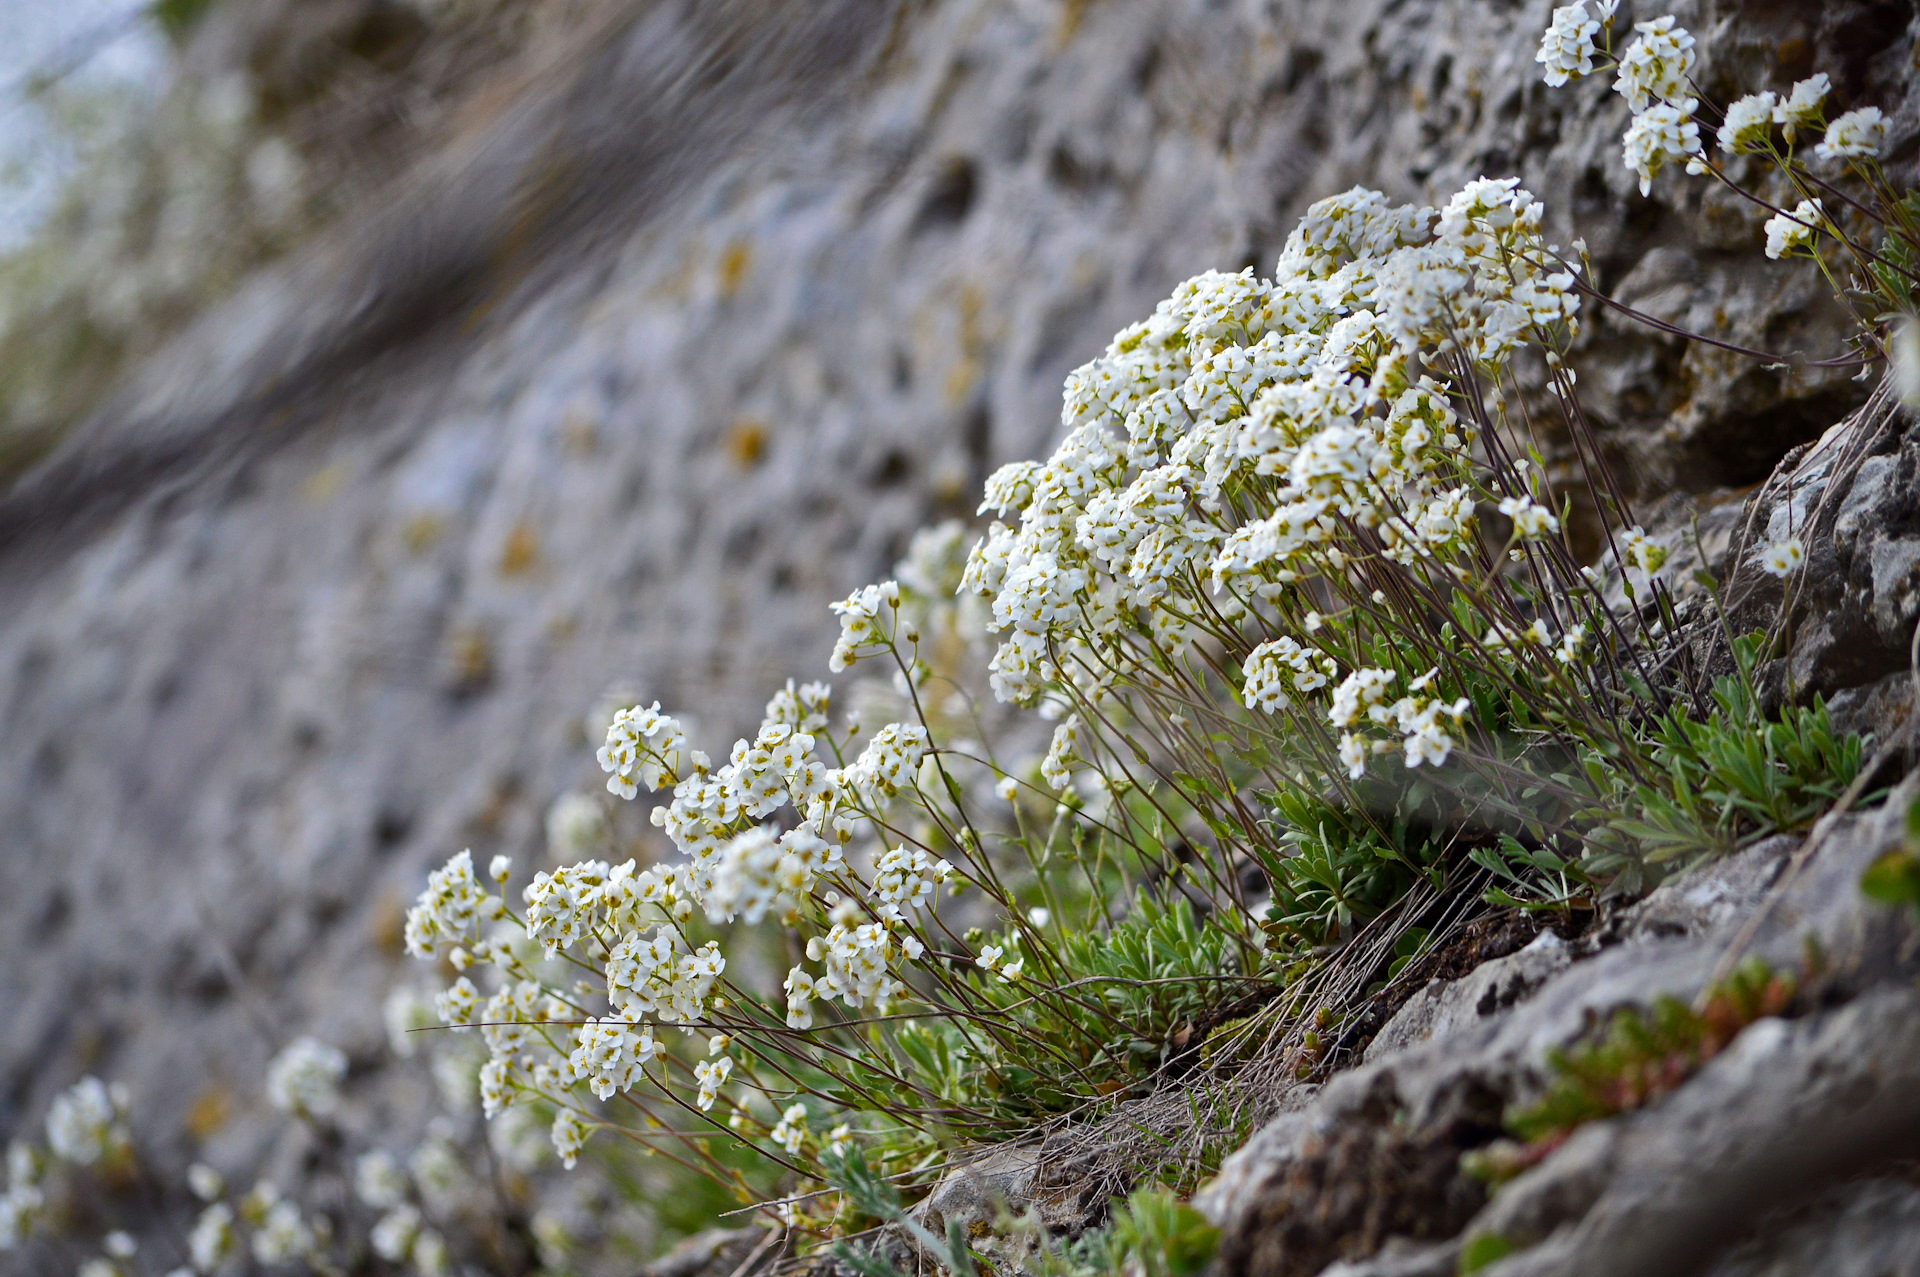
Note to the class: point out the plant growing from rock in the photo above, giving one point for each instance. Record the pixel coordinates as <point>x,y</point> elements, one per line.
<point>1643,1055</point>
<point>1298,594</point>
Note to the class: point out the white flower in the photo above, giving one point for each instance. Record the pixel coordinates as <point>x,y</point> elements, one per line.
<point>791,1132</point>
<point>212,1240</point>
<point>1531,520</point>
<point>804,709</point>
<point>560,905</point>
<point>576,827</point>
<point>1855,135</point>
<point>861,622</point>
<point>1641,555</point>
<point>1782,557</point>
<point>206,1183</point>
<point>304,1079</point>
<point>888,763</point>
<point>1788,233</point>
<point>87,1122</point>
<point>905,879</point>
<point>392,1237</point>
<point>1804,105</point>
<point>20,1208</point>
<point>1007,789</point>
<point>644,746</point>
<point>711,1075</point>
<point>1566,51</point>
<point>748,881</point>
<point>430,1254</point>
<point>612,1055</point>
<point>570,1132</point>
<point>1664,131</point>
<point>1363,691</point>
<point>840,1140</point>
<point>1063,750</point>
<point>1748,122</point>
<point>378,1180</point>
<point>120,1244</point>
<point>447,910</point>
<point>457,1003</point>
<point>1655,67</point>
<point>1353,753</point>
<point>1266,669</point>
<point>1570,644</point>
<point>283,1236</point>
<point>404,1010</point>
<point>1010,971</point>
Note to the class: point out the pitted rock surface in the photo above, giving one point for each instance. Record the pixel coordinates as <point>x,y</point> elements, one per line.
<point>677,345</point>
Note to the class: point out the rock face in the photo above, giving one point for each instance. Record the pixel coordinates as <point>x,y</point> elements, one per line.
<point>679,342</point>
<point>1733,1164</point>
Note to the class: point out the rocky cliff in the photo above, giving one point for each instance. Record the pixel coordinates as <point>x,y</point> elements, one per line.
<point>666,338</point>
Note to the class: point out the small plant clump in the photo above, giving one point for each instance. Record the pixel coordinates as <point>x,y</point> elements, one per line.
<point>1642,1056</point>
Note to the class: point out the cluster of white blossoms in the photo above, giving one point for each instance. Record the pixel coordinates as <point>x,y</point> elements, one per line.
<point>1256,437</point>
<point>1788,233</point>
<point>24,1200</point>
<point>87,1122</point>
<point>304,1079</point>
<point>1857,135</point>
<point>867,622</point>
<point>1654,75</point>
<point>742,862</point>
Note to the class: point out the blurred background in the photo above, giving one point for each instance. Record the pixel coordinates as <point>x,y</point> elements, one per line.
<point>385,384</point>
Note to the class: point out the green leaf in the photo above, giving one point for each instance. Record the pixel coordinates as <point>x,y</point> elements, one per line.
<point>1894,878</point>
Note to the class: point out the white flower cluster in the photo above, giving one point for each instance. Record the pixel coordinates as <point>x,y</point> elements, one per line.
<point>1566,51</point>
<point>87,1122</point>
<point>1788,233</point>
<point>1748,124</point>
<point>304,1079</point>
<point>449,910</point>
<point>627,924</point>
<point>1255,433</point>
<point>1653,78</point>
<point>866,622</point>
<point>1654,75</point>
<point>643,745</point>
<point>401,1236</point>
<point>21,1205</point>
<point>1857,135</point>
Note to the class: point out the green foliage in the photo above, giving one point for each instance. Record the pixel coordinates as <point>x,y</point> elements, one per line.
<point>1105,1021</point>
<point>1339,866</point>
<point>1710,784</point>
<point>1483,1251</point>
<point>872,1197</point>
<point>178,17</point>
<point>1164,1236</point>
<point>1895,877</point>
<point>1645,1054</point>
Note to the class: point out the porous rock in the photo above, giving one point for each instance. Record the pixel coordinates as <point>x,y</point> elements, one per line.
<point>664,350</point>
<point>1790,1110</point>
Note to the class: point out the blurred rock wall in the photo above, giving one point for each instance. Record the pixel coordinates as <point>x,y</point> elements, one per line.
<point>670,340</point>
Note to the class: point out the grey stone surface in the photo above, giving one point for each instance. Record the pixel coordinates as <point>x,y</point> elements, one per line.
<point>1790,1110</point>
<point>672,347</point>
<point>1444,1007</point>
